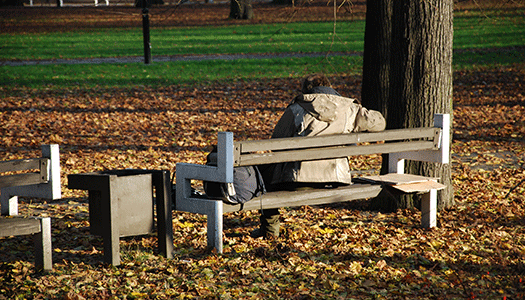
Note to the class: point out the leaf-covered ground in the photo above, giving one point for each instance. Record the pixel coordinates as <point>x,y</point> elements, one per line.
<point>339,251</point>
<point>329,252</point>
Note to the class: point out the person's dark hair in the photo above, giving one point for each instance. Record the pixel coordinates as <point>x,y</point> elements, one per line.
<point>314,80</point>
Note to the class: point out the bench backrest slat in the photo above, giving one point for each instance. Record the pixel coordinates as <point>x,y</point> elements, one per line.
<point>19,165</point>
<point>41,176</point>
<point>330,152</point>
<point>336,140</point>
<point>21,179</point>
<point>334,146</point>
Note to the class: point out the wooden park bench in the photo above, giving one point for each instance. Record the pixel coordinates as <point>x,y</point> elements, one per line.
<point>421,144</point>
<point>43,183</point>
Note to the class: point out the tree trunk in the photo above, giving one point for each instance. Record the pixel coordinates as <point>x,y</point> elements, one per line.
<point>375,87</point>
<point>416,81</point>
<point>241,9</point>
<point>376,57</point>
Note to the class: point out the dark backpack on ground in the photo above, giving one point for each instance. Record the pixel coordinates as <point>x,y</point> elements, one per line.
<point>247,183</point>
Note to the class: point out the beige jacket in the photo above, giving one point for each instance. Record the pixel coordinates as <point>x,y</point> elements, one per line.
<point>322,114</point>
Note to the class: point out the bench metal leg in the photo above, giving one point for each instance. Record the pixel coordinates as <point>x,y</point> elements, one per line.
<point>215,222</point>
<point>43,249</point>
<point>162,184</point>
<point>429,209</point>
<point>9,206</point>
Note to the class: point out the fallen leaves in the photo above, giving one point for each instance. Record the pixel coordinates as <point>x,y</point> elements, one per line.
<point>339,251</point>
<point>333,252</point>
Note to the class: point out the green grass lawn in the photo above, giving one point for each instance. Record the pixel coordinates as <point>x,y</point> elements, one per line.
<point>497,39</point>
<point>471,31</point>
<point>169,73</point>
<point>118,42</point>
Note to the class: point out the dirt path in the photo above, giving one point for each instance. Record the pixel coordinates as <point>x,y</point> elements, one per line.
<point>136,59</point>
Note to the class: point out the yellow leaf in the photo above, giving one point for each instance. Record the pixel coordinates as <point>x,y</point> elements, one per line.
<point>185,225</point>
<point>325,230</point>
<point>138,295</point>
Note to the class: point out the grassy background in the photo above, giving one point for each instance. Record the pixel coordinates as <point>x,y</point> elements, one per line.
<point>471,31</point>
<point>169,73</point>
<point>479,40</point>
<point>262,38</point>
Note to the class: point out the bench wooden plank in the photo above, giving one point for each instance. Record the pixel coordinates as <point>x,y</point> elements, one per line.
<point>337,140</point>
<point>19,165</point>
<point>40,228</point>
<point>395,179</point>
<point>39,164</point>
<point>21,179</point>
<point>406,183</point>
<point>19,226</point>
<point>45,183</point>
<point>308,197</point>
<point>419,187</point>
<point>330,152</point>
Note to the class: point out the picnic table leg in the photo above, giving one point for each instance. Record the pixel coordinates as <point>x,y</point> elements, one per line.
<point>214,222</point>
<point>43,249</point>
<point>429,209</point>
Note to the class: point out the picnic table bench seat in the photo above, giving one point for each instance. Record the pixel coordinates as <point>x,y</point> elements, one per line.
<point>422,144</point>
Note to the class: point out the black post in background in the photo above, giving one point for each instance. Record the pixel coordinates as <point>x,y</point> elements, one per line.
<point>145,31</point>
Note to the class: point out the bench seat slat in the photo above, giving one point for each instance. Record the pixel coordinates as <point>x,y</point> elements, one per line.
<point>19,226</point>
<point>330,152</point>
<point>308,197</point>
<point>335,140</point>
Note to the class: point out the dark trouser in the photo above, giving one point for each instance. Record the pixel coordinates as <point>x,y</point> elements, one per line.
<point>270,222</point>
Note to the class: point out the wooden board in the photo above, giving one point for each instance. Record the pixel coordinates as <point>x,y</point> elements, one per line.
<point>419,186</point>
<point>308,197</point>
<point>18,226</point>
<point>407,183</point>
<point>396,179</point>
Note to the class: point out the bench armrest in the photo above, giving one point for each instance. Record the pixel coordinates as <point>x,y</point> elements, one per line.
<point>223,172</point>
<point>396,161</point>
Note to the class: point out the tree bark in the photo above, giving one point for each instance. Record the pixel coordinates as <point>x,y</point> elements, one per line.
<point>376,57</point>
<point>409,78</point>
<point>241,9</point>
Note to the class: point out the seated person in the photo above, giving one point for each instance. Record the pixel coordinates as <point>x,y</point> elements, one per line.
<point>319,110</point>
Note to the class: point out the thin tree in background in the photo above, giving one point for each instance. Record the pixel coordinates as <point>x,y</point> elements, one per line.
<point>241,9</point>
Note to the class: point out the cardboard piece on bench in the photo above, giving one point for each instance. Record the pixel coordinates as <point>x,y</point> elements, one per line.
<point>407,183</point>
<point>419,186</point>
